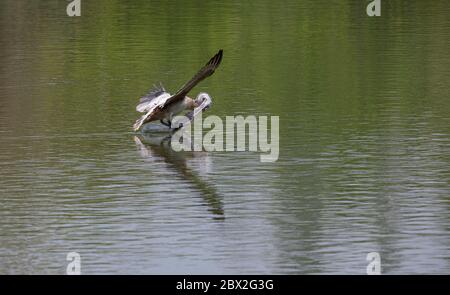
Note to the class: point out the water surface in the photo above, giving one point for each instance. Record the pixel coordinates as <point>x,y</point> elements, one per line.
<point>364,138</point>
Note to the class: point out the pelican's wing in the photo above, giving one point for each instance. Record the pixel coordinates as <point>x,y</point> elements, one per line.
<point>147,101</point>
<point>205,72</point>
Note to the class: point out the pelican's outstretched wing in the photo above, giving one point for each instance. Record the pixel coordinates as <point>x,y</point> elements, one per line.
<point>205,72</point>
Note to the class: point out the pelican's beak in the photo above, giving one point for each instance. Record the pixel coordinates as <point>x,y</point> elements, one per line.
<point>204,104</point>
<point>208,103</point>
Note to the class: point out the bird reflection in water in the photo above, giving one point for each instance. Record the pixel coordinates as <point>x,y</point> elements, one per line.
<point>153,146</point>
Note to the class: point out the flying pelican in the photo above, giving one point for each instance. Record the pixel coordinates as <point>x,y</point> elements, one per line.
<point>158,104</point>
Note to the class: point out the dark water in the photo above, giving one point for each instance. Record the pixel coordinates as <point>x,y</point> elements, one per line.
<point>364,107</point>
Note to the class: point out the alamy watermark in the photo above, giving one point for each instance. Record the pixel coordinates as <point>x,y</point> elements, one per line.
<point>230,135</point>
<point>74,266</point>
<point>374,8</point>
<point>74,8</point>
<point>374,266</point>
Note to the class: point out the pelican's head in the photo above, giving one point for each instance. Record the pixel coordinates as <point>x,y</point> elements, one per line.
<point>203,101</point>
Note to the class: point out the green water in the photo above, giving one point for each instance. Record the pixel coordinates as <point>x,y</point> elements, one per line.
<point>364,159</point>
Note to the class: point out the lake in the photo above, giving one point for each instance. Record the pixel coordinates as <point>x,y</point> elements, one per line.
<point>364,129</point>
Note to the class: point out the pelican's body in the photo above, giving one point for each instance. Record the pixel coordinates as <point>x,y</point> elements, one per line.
<point>154,111</point>
<point>161,105</point>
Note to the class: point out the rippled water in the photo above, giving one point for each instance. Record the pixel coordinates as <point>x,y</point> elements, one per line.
<point>364,138</point>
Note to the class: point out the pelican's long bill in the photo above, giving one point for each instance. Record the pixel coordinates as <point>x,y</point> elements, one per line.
<point>206,104</point>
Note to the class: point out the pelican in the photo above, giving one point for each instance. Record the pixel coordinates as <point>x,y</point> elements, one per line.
<point>160,105</point>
